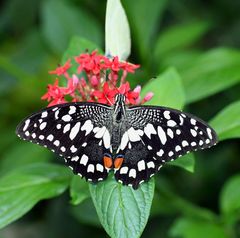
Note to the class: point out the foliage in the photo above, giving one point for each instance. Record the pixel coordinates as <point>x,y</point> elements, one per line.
<point>194,71</point>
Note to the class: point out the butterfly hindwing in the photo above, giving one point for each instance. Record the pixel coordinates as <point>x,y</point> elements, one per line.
<point>76,131</point>
<point>156,135</point>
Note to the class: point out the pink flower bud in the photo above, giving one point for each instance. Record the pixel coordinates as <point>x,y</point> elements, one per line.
<point>137,89</point>
<point>148,97</point>
<point>75,79</point>
<point>94,81</point>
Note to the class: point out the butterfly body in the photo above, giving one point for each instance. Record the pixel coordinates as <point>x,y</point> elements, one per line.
<point>134,142</point>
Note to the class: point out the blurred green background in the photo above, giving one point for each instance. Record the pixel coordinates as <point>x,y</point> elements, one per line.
<point>200,38</point>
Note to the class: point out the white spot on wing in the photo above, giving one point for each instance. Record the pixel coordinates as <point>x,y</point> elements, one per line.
<point>56,142</point>
<point>26,124</point>
<point>90,168</point>
<point>87,126</point>
<point>74,131</point>
<point>133,135</point>
<point>75,158</point>
<point>162,135</point>
<point>107,139</point>
<point>178,148</point>
<point>84,160</point>
<point>66,128</point>
<point>209,133</point>
<point>72,110</point>
<point>184,143</point>
<point>44,114</point>
<point>170,153</point>
<point>43,125</point>
<point>160,152</point>
<point>132,173</point>
<point>141,165</point>
<point>50,137</point>
<point>41,137</point>
<point>149,129</point>
<point>27,133</point>
<point>124,141</point>
<point>193,132</point>
<point>99,167</point>
<point>166,114</point>
<point>171,123</point>
<point>63,149</point>
<point>73,149</point>
<point>193,121</point>
<point>150,165</point>
<point>193,143</point>
<point>170,132</point>
<point>66,118</point>
<point>124,170</point>
<point>84,144</point>
<point>100,132</point>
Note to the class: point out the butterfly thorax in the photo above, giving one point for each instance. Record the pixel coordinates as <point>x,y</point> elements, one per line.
<point>119,121</point>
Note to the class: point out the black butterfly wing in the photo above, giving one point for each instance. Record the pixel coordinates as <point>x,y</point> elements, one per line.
<point>77,131</point>
<point>156,135</point>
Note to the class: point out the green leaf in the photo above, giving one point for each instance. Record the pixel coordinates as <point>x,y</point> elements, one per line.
<point>122,211</point>
<point>227,122</point>
<point>22,188</point>
<point>144,26</point>
<point>22,154</point>
<point>179,36</point>
<point>229,198</point>
<point>117,32</point>
<point>76,47</point>
<point>86,213</point>
<point>79,190</point>
<point>186,162</point>
<point>210,73</point>
<point>167,88</point>
<point>190,228</point>
<point>172,203</point>
<point>60,21</point>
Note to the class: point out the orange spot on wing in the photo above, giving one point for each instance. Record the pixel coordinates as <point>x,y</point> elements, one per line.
<point>107,161</point>
<point>118,162</point>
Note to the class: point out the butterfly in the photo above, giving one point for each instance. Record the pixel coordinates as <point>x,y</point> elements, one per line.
<point>132,141</point>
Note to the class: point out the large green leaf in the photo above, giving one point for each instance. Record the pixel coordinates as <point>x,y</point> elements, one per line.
<point>117,32</point>
<point>60,21</point>
<point>187,162</point>
<point>172,203</point>
<point>190,228</point>
<point>76,47</point>
<point>22,188</point>
<point>167,88</point>
<point>179,36</point>
<point>210,73</point>
<point>122,211</point>
<point>227,122</point>
<point>22,154</point>
<point>86,213</point>
<point>79,190</point>
<point>229,199</point>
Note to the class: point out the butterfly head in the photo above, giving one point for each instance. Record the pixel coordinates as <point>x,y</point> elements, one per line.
<point>120,99</point>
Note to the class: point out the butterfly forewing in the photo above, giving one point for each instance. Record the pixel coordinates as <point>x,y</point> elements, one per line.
<point>156,135</point>
<point>76,131</point>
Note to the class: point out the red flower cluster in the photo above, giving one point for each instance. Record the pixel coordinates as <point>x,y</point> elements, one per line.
<point>96,80</point>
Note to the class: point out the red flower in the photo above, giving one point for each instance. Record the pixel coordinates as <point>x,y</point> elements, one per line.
<point>106,96</point>
<point>99,81</point>
<point>131,96</point>
<point>61,69</point>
